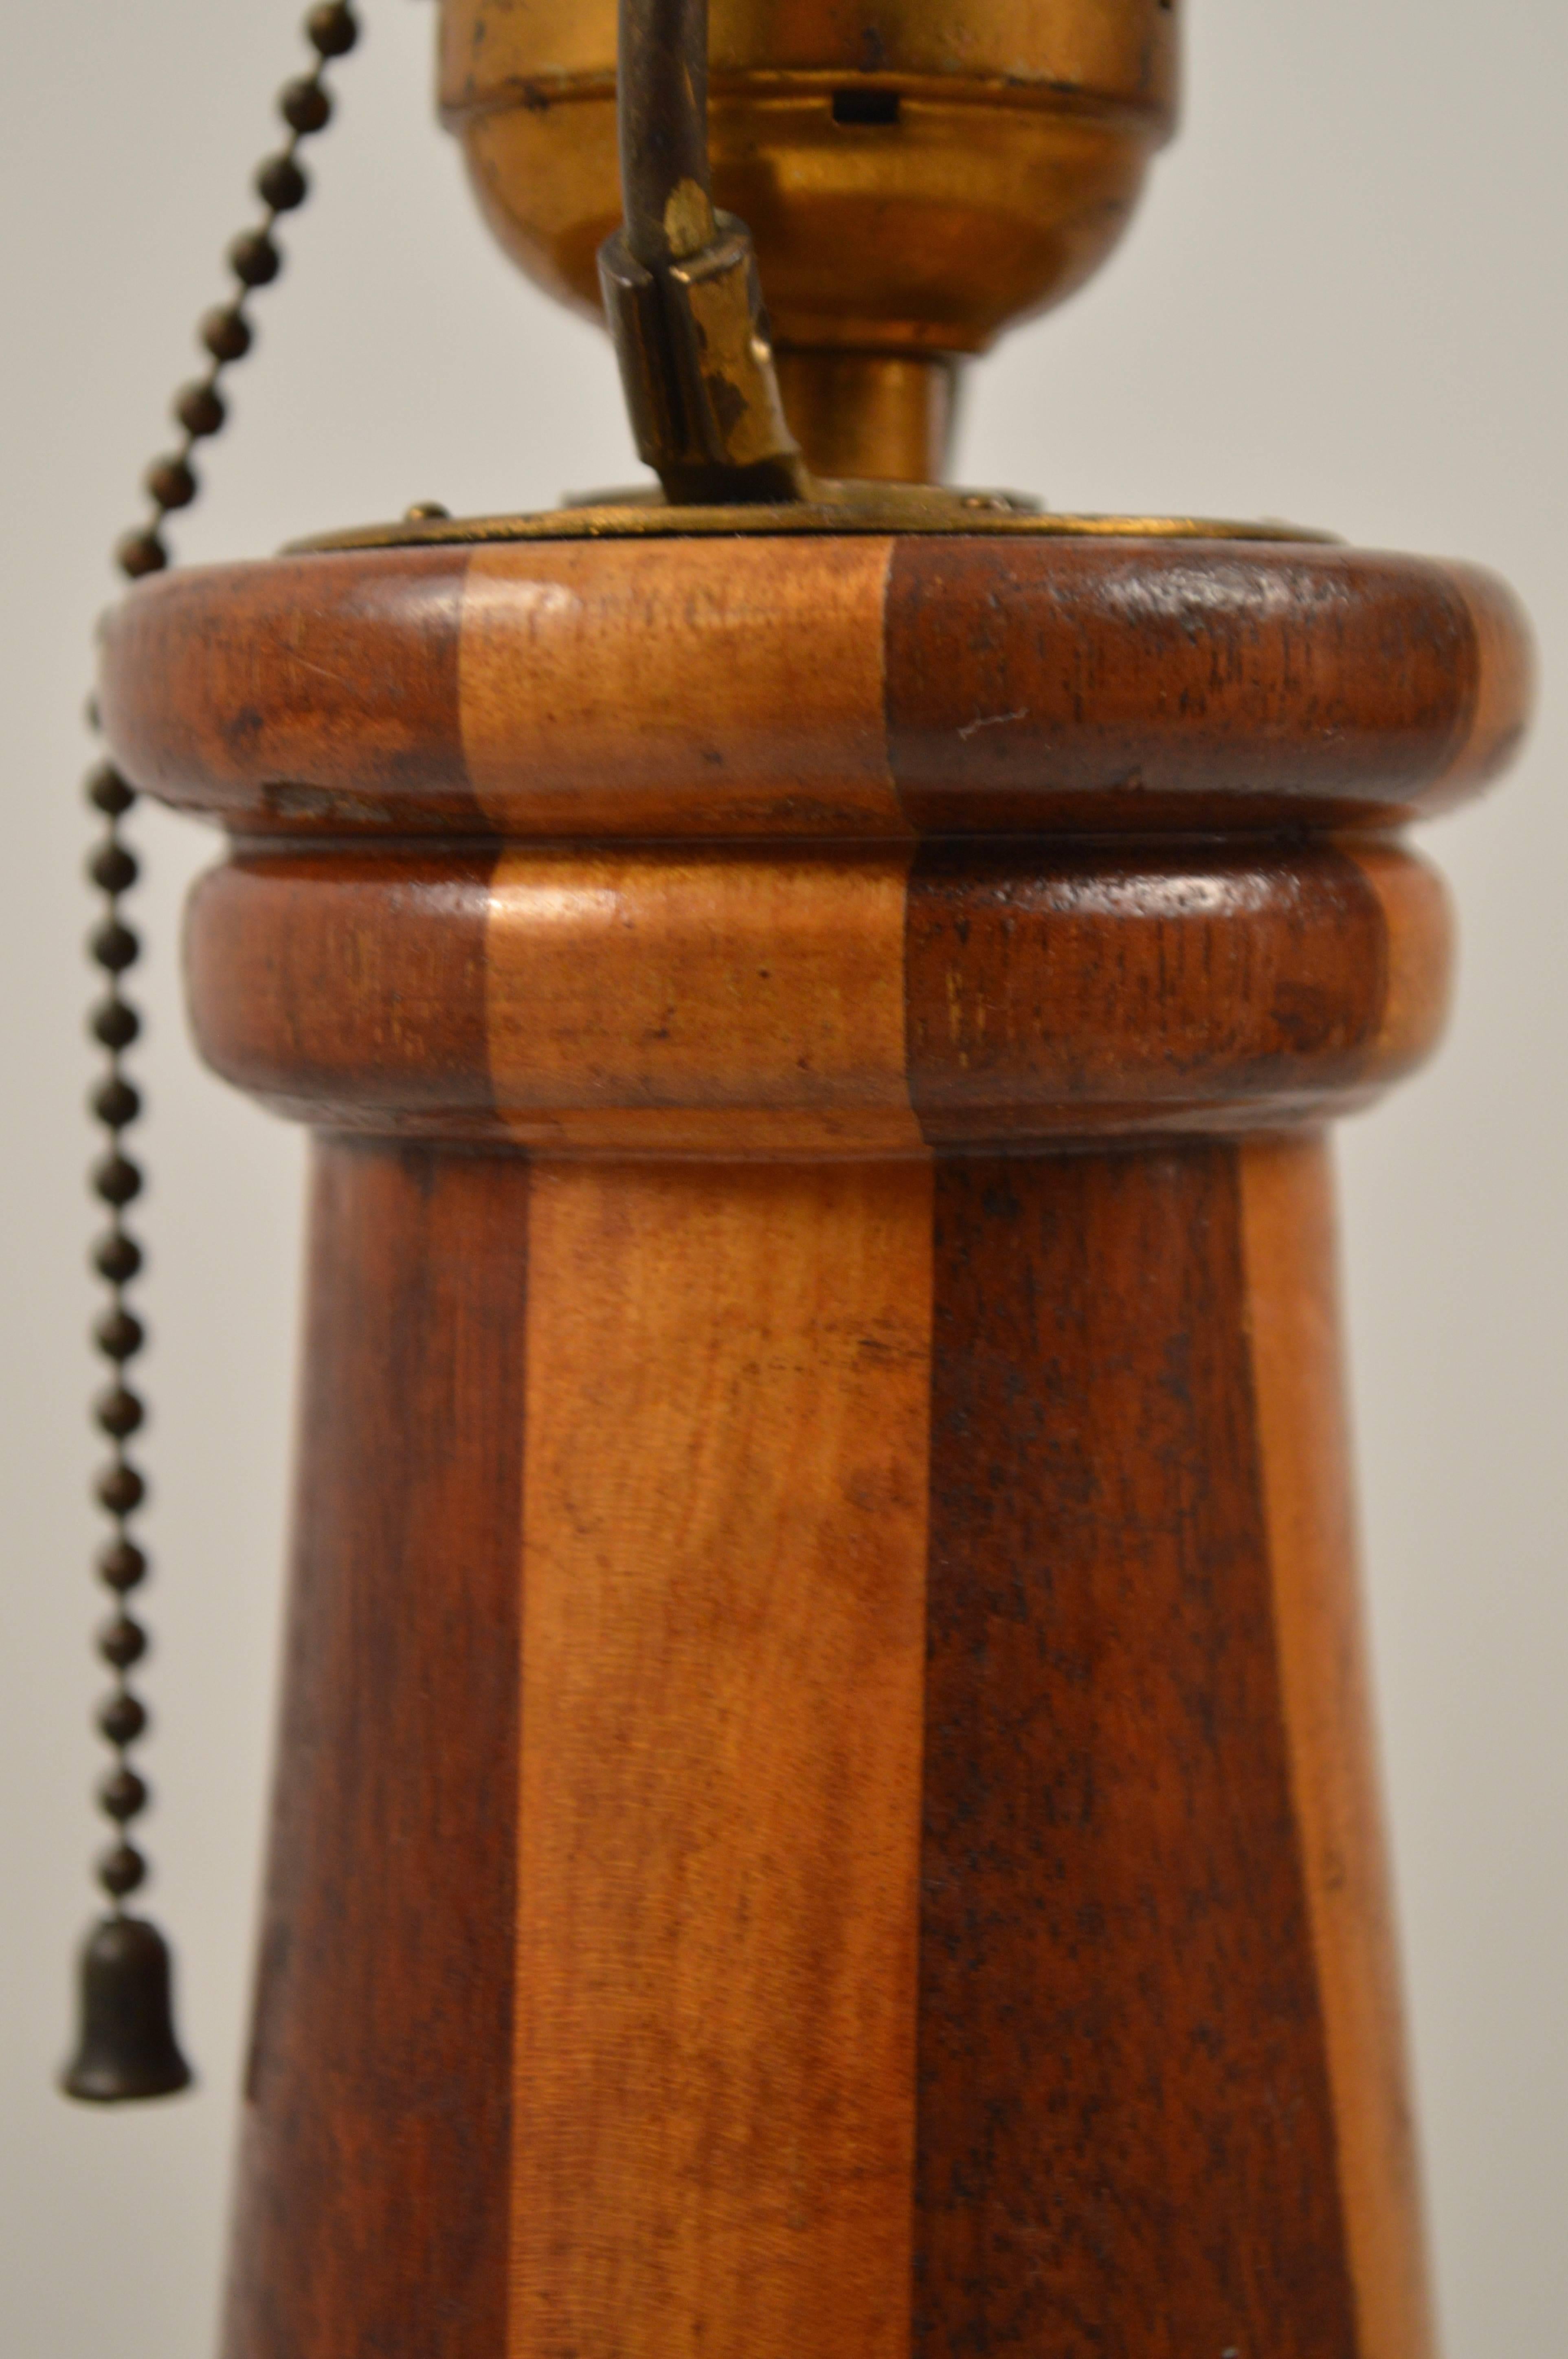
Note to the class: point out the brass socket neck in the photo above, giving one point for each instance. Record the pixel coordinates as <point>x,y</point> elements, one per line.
<point>883,418</point>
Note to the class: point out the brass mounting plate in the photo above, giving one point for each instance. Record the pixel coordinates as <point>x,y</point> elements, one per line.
<point>851,508</point>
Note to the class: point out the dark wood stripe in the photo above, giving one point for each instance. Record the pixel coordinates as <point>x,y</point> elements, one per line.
<point>306,692</point>
<point>1100,981</point>
<point>349,988</point>
<point>1178,684</point>
<point>1125,2135</point>
<point>374,2194</point>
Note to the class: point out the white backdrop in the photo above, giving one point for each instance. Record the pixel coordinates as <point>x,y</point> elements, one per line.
<point>1343,304</point>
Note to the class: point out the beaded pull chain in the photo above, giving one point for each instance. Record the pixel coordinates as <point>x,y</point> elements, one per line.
<point>127,2047</point>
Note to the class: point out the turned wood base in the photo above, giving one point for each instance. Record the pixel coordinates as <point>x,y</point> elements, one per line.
<point>825,1803</point>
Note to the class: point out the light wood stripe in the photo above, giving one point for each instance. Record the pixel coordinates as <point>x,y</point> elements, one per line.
<point>723,1569</point>
<point>1289,1243</point>
<point>576,721</point>
<point>655,999</point>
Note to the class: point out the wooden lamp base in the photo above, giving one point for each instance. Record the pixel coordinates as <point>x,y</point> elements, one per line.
<point>824,1806</point>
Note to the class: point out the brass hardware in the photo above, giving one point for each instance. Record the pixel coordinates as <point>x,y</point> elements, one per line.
<point>127,2048</point>
<point>912,188</point>
<point>857,508</point>
<point>680,283</point>
<point>869,416</point>
<point>691,339</point>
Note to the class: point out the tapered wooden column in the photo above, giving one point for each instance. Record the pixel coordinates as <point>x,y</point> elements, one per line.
<point>824,1806</point>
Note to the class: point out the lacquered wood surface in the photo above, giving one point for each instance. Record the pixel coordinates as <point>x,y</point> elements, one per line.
<point>722,1541</point>
<point>824,687</point>
<point>767,1001</point>
<point>1127,2130</point>
<point>377,2118</point>
<point>1287,1252</point>
<point>827,1805</point>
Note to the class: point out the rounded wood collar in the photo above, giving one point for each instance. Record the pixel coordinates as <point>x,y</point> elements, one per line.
<point>818,688</point>
<point>857,1000</point>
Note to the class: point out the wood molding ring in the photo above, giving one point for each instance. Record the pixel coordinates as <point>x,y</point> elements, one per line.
<point>718,1000</point>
